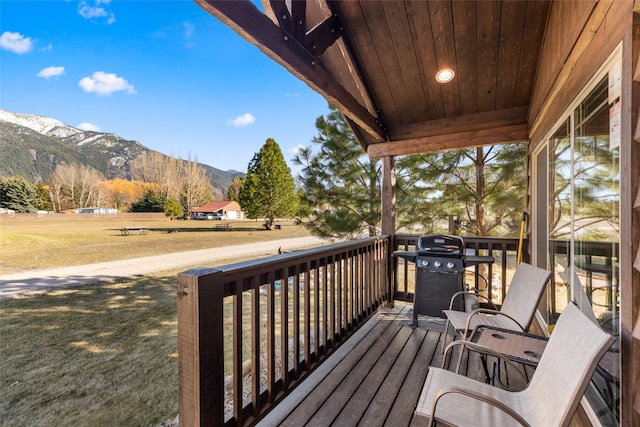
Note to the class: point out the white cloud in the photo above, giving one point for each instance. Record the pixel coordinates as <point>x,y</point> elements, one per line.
<point>51,72</point>
<point>102,83</point>
<point>15,42</point>
<point>243,120</point>
<point>295,150</point>
<point>96,11</point>
<point>188,29</point>
<point>88,126</point>
<point>47,48</point>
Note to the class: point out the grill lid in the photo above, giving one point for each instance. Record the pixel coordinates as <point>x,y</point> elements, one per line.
<point>441,245</point>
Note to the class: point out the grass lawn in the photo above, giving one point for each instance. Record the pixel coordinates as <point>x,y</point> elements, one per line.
<point>95,355</point>
<point>57,240</point>
<point>104,354</point>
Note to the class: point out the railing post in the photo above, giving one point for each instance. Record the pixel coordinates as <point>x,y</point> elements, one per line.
<point>389,216</point>
<point>200,338</point>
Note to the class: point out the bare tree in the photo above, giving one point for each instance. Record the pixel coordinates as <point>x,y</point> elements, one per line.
<point>76,186</point>
<point>196,185</point>
<point>172,178</point>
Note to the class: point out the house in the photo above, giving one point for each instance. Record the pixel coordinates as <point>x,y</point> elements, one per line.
<point>416,77</point>
<point>230,209</point>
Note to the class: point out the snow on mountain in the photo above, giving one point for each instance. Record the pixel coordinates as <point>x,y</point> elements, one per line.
<point>40,124</point>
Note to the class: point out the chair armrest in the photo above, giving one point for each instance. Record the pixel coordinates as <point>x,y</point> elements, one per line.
<point>457,294</point>
<point>475,395</point>
<point>488,311</point>
<point>485,350</point>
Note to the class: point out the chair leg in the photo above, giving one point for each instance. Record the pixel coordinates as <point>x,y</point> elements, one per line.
<point>444,338</point>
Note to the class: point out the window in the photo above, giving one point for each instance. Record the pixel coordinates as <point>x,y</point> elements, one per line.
<point>576,234</point>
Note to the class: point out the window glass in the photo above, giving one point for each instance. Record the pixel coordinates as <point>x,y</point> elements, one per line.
<point>583,200</point>
<point>559,215</point>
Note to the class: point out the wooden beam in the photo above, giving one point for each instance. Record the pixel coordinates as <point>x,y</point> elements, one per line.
<point>245,19</point>
<point>451,141</point>
<point>465,123</point>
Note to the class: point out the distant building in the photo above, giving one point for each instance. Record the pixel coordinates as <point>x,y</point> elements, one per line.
<point>230,210</point>
<point>98,211</point>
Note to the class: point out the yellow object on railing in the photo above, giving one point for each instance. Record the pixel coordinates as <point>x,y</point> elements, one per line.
<point>523,227</point>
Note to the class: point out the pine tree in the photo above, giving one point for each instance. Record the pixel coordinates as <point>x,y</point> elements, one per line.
<point>44,198</point>
<point>268,190</point>
<point>17,194</point>
<point>341,185</point>
<point>484,187</point>
<point>150,203</point>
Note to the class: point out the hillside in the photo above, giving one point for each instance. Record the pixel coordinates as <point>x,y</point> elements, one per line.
<point>32,146</point>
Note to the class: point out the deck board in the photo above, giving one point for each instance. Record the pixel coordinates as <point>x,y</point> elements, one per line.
<point>375,379</point>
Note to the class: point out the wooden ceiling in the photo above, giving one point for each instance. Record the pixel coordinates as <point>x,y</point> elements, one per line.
<point>377,61</point>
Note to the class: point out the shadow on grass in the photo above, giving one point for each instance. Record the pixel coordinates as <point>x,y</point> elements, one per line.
<point>102,354</point>
<point>212,228</point>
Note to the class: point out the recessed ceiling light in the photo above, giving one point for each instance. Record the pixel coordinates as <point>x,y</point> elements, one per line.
<point>445,75</point>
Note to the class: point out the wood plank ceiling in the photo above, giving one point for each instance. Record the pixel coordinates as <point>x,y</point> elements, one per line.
<point>377,62</point>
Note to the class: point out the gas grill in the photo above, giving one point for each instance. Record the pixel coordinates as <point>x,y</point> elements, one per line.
<point>440,268</point>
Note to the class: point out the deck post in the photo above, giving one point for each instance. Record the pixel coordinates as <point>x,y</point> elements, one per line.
<point>200,338</point>
<point>388,211</point>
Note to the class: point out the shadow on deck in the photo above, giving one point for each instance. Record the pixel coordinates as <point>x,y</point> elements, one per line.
<point>375,378</point>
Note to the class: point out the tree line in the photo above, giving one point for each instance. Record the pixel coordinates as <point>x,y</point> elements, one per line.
<point>159,183</point>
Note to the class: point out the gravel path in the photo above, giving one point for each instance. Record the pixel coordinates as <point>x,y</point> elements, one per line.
<point>36,281</point>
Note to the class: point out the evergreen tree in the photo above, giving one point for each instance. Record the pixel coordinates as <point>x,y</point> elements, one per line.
<point>234,189</point>
<point>173,209</point>
<point>341,185</point>
<point>484,187</point>
<point>268,190</point>
<point>150,202</point>
<point>18,194</point>
<point>44,198</point>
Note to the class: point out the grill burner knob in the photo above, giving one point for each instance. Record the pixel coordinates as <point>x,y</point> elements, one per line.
<point>450,264</point>
<point>437,264</point>
<point>425,262</point>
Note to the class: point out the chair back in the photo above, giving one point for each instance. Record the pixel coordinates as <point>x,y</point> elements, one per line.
<point>566,366</point>
<point>524,293</point>
<point>580,296</point>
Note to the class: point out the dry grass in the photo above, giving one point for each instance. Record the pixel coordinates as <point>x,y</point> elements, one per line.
<point>95,355</point>
<point>57,240</point>
<point>104,354</point>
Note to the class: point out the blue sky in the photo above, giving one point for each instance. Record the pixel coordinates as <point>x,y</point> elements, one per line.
<point>164,73</point>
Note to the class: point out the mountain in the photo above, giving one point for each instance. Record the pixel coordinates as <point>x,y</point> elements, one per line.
<point>32,146</point>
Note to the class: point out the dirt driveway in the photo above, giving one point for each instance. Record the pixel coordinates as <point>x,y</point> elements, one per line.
<point>35,281</point>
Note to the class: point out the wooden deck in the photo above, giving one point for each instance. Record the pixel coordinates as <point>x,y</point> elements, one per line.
<point>374,379</point>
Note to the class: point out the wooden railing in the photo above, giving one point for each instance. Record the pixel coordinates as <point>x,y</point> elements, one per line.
<point>490,279</point>
<point>249,332</point>
<point>599,258</point>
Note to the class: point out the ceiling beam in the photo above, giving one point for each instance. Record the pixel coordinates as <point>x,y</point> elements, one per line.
<point>245,19</point>
<point>457,124</point>
<point>450,141</point>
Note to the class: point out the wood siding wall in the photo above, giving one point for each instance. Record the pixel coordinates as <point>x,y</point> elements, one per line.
<point>633,389</point>
<point>570,57</point>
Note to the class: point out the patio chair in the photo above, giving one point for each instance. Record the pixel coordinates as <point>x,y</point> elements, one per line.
<point>518,308</point>
<point>566,366</point>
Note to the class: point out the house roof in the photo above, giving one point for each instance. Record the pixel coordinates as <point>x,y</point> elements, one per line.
<point>218,206</point>
<point>377,61</point>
